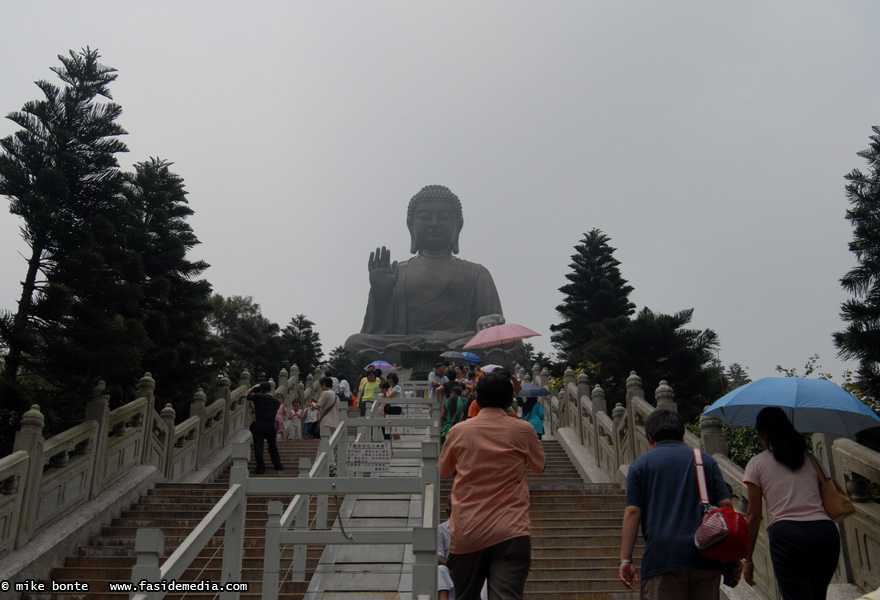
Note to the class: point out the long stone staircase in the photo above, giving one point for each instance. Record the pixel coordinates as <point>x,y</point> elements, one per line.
<point>575,533</point>
<point>176,509</point>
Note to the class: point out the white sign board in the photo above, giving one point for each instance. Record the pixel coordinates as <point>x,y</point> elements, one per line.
<point>368,457</point>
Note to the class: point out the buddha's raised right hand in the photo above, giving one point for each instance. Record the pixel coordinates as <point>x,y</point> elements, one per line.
<point>383,272</point>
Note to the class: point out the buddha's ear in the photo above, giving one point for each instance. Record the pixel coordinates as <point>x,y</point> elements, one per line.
<point>412,240</point>
<point>455,239</point>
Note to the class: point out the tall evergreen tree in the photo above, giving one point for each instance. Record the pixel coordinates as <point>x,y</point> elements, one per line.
<point>861,338</point>
<point>76,318</point>
<point>596,294</point>
<point>175,303</point>
<point>302,343</point>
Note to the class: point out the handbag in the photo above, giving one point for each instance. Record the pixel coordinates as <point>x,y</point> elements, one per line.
<point>724,533</point>
<point>835,500</point>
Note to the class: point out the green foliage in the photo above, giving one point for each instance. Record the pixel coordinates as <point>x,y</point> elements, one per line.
<point>532,358</point>
<point>342,363</point>
<point>596,294</point>
<point>302,344</point>
<point>175,303</point>
<point>862,312</point>
<point>742,444</point>
<point>77,319</point>
<point>248,339</point>
<point>810,367</point>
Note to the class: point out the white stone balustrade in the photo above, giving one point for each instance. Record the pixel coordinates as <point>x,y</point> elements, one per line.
<point>42,481</point>
<point>617,441</point>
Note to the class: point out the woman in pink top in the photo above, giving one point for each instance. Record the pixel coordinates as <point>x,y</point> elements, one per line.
<point>804,542</point>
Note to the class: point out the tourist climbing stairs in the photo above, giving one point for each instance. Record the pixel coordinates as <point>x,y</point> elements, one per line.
<point>177,509</point>
<point>575,533</point>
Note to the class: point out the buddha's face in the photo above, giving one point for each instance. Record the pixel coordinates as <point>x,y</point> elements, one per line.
<point>435,226</point>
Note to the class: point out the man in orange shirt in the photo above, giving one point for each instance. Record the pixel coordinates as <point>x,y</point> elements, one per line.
<point>490,532</point>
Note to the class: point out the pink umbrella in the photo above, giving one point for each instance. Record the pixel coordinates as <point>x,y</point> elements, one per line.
<point>499,335</point>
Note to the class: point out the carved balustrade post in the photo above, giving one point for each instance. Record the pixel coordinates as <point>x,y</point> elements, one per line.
<point>168,415</point>
<point>283,382</point>
<point>634,390</point>
<point>224,392</point>
<point>223,389</point>
<point>583,391</point>
<point>293,382</point>
<point>618,414</point>
<point>599,405</point>
<point>713,440</point>
<point>244,380</point>
<point>30,439</point>
<point>98,410</point>
<point>146,389</point>
<point>536,374</point>
<point>545,376</point>
<point>665,397</point>
<point>565,405</point>
<point>309,388</point>
<point>197,409</point>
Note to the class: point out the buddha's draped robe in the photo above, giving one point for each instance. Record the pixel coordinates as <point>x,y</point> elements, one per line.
<point>435,299</point>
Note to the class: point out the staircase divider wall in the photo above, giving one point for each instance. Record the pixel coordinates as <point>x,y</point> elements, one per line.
<point>616,441</point>
<point>313,480</point>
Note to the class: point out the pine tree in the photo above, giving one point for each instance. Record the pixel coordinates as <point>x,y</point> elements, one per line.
<point>175,303</point>
<point>302,343</point>
<point>77,316</point>
<point>596,293</point>
<point>861,338</point>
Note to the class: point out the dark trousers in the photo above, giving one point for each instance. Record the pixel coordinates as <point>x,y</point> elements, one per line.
<point>804,555</point>
<point>505,564</point>
<point>264,432</point>
<point>391,410</point>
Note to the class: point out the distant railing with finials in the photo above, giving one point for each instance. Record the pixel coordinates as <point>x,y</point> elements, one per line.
<point>617,441</point>
<point>42,481</point>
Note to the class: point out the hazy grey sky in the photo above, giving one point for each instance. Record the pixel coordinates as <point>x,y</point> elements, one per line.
<point>708,140</point>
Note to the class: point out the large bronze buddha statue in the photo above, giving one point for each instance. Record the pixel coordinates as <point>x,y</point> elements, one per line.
<point>433,301</point>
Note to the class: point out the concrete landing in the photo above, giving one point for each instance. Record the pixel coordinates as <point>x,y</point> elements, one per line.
<point>368,572</point>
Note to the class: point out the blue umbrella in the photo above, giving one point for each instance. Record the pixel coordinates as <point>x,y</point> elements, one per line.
<point>812,405</point>
<point>530,390</point>
<point>471,357</point>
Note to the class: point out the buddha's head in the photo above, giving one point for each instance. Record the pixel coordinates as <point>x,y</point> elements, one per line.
<point>434,219</point>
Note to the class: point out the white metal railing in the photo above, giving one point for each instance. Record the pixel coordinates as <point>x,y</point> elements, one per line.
<point>314,480</point>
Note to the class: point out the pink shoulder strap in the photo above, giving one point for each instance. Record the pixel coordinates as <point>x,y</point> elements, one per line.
<point>701,476</point>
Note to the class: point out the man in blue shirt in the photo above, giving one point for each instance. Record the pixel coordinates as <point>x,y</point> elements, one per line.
<point>662,495</point>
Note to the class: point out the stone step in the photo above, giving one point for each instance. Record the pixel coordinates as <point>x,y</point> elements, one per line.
<point>556,562</point>
<point>621,594</point>
<point>602,539</point>
<point>606,584</point>
<point>313,553</point>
